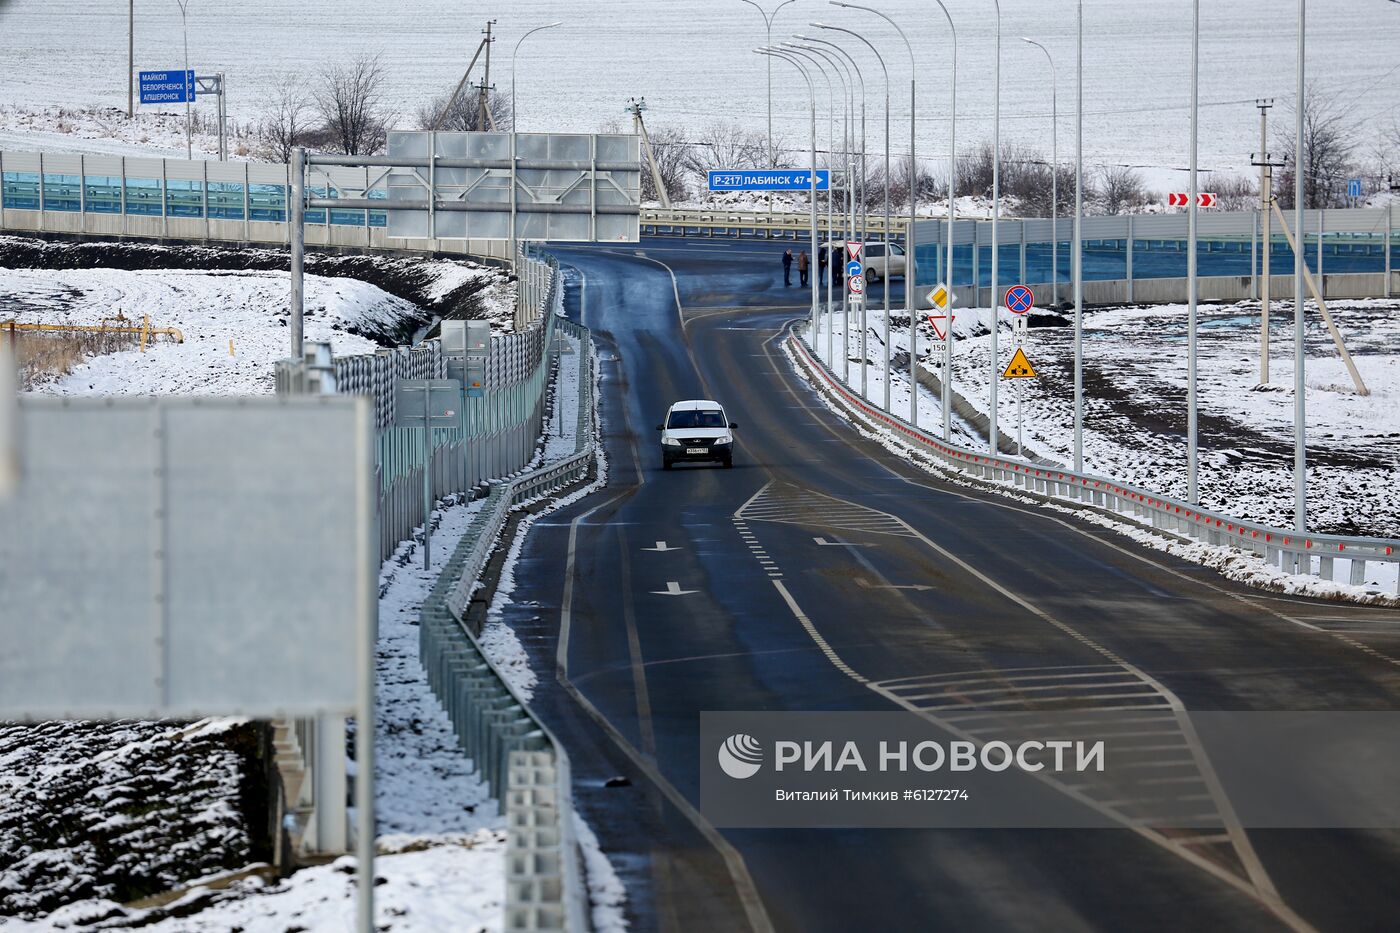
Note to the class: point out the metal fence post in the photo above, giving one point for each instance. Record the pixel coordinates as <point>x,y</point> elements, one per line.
<point>1129,261</point>
<point>296,230</point>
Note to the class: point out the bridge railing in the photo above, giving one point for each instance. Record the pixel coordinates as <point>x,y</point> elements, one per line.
<point>1289,551</point>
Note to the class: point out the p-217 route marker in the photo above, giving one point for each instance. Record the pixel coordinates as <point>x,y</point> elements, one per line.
<point>768,180</point>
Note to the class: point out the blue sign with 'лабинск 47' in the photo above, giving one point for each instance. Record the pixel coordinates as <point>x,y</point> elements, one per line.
<point>167,87</point>
<point>768,180</point>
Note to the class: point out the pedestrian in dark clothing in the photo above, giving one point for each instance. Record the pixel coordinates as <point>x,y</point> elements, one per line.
<point>837,273</point>
<point>821,266</point>
<point>787,267</point>
<point>802,264</point>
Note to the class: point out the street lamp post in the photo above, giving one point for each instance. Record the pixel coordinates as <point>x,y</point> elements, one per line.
<point>814,56</point>
<point>514,53</point>
<point>860,196</point>
<point>1054,175</point>
<point>952,194</point>
<point>885,292</point>
<point>1300,440</point>
<point>812,202</point>
<point>995,374</point>
<point>1077,247</point>
<point>768,26</point>
<point>189,125</point>
<point>1192,492</point>
<point>910,303</point>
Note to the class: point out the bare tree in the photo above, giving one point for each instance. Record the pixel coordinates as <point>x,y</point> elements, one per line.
<point>724,145</point>
<point>672,153</point>
<point>463,115</point>
<point>288,121</point>
<point>1120,190</point>
<point>1235,192</point>
<point>1329,144</point>
<point>350,101</point>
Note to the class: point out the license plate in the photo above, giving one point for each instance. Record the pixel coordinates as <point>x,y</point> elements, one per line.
<point>697,450</point>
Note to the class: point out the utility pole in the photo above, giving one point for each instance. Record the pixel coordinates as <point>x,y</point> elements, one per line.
<point>130,59</point>
<point>635,106</point>
<point>484,116</point>
<point>189,123</point>
<point>1266,198</point>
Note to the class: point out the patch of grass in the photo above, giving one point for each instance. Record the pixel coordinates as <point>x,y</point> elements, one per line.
<point>44,356</point>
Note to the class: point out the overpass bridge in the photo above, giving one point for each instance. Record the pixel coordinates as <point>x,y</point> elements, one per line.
<point>1127,258</point>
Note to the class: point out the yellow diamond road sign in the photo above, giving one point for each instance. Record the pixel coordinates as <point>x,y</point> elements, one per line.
<point>940,296</point>
<point>1019,367</point>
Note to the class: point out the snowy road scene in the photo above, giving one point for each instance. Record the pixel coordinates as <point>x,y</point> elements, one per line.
<point>700,466</point>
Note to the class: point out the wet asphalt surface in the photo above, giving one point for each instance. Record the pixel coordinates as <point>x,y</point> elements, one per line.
<point>624,685</point>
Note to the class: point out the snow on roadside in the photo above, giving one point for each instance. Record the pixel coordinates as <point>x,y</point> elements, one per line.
<point>423,781</point>
<point>212,310</point>
<point>107,131</point>
<point>1232,563</point>
<point>456,882</point>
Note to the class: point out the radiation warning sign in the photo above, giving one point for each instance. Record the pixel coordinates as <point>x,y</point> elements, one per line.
<point>1019,367</point>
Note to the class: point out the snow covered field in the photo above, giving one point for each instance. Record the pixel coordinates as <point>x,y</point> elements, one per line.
<point>73,52</point>
<point>1135,414</point>
<point>212,310</point>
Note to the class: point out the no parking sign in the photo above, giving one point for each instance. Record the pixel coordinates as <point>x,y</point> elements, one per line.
<point>1019,299</point>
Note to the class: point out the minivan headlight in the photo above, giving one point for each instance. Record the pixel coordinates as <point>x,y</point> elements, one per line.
<point>670,442</point>
<point>727,439</point>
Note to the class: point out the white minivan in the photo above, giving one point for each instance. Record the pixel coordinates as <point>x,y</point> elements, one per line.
<point>878,265</point>
<point>696,431</point>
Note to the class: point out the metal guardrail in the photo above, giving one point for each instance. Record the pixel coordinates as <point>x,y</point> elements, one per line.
<point>1289,551</point>
<point>497,432</point>
<point>495,441</point>
<point>524,765</point>
<point>784,225</point>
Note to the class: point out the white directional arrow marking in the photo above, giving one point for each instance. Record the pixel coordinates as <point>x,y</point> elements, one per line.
<point>673,589</point>
<point>661,546</point>
<point>825,543</point>
<point>866,584</point>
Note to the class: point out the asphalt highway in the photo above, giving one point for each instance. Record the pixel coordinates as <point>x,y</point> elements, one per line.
<point>789,568</point>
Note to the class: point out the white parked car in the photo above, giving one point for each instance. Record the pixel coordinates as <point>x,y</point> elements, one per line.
<point>873,255</point>
<point>696,430</point>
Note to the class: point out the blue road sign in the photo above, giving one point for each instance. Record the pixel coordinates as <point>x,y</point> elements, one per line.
<point>768,180</point>
<point>1354,188</point>
<point>853,268</point>
<point>167,87</point>
<point>1019,299</point>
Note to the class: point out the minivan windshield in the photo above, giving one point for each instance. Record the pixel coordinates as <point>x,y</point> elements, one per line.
<point>711,418</point>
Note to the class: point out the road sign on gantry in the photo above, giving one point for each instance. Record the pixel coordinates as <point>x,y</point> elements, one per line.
<point>1019,299</point>
<point>1019,367</point>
